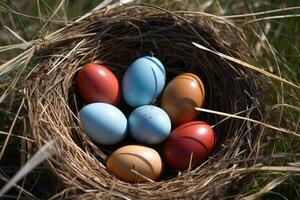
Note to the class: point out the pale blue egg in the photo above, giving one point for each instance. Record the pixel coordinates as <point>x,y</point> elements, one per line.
<point>149,124</point>
<point>103,123</point>
<point>143,81</point>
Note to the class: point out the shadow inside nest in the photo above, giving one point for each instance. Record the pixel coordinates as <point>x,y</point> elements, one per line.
<point>229,88</point>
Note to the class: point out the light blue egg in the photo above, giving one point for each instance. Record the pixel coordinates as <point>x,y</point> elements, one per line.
<point>143,81</point>
<point>149,124</point>
<point>103,123</point>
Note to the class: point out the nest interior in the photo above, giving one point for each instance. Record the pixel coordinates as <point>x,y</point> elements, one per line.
<point>115,37</point>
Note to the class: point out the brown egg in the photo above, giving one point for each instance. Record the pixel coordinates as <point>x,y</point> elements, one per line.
<point>181,95</point>
<point>143,160</point>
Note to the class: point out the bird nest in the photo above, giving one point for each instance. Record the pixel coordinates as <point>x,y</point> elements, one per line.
<point>115,37</point>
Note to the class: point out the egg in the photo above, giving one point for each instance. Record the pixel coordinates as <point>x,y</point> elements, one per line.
<point>103,123</point>
<point>149,124</point>
<point>143,160</point>
<point>96,83</point>
<point>181,95</point>
<point>192,141</point>
<point>143,81</point>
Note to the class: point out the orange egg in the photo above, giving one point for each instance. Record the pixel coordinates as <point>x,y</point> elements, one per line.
<point>143,160</point>
<point>181,95</point>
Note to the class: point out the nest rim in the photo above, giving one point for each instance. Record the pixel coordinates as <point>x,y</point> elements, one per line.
<point>86,155</point>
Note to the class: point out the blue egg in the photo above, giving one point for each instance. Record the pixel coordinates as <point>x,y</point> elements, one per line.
<point>143,81</point>
<point>149,124</point>
<point>103,123</point>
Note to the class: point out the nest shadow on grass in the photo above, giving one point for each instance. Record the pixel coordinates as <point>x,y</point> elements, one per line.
<point>116,37</point>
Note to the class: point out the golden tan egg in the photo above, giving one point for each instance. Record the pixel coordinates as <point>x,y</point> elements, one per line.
<point>181,95</point>
<point>144,160</point>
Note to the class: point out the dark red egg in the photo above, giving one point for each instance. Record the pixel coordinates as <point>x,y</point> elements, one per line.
<point>189,142</point>
<point>96,83</point>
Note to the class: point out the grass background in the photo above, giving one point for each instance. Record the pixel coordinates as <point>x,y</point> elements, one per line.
<point>274,39</point>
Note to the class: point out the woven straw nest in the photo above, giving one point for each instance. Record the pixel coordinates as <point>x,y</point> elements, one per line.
<point>115,37</point>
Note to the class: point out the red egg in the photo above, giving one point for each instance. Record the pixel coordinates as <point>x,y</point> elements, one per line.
<point>96,83</point>
<point>190,142</point>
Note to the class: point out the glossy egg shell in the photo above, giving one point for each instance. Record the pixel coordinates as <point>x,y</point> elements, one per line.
<point>96,83</point>
<point>149,124</point>
<point>103,123</point>
<point>144,160</point>
<point>181,95</point>
<point>197,138</point>
<point>143,81</point>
